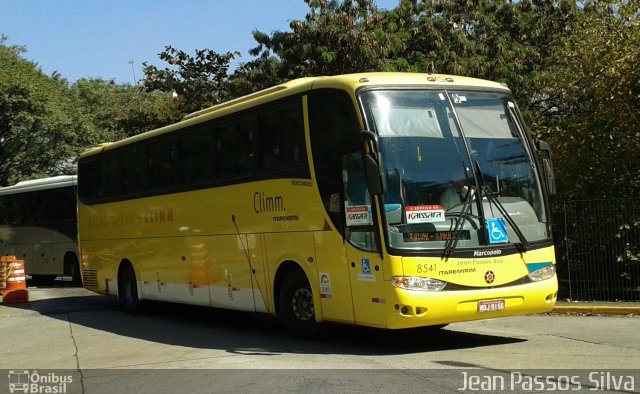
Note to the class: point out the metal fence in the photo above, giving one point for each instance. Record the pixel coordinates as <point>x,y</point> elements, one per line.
<point>597,249</point>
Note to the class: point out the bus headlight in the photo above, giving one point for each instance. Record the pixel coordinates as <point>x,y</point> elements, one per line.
<point>543,273</point>
<point>417,283</point>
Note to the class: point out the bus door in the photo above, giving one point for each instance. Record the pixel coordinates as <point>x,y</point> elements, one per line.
<point>362,249</point>
<point>333,274</point>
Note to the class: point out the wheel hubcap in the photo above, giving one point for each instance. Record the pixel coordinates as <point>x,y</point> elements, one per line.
<point>303,304</point>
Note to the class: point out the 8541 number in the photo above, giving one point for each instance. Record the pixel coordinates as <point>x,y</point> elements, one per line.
<point>426,268</point>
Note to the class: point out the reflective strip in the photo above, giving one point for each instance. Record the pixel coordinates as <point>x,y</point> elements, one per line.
<point>18,272</point>
<point>17,279</point>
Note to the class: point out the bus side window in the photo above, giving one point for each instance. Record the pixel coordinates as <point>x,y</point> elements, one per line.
<point>281,147</point>
<point>359,217</point>
<point>109,176</point>
<point>269,140</point>
<point>133,170</point>
<point>4,210</point>
<point>162,155</point>
<point>354,179</point>
<point>245,135</point>
<point>292,147</point>
<point>235,148</point>
<point>224,151</point>
<point>89,179</point>
<point>196,154</point>
<point>334,131</point>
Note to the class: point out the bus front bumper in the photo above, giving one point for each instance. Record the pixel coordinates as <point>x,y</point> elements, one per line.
<point>411,308</point>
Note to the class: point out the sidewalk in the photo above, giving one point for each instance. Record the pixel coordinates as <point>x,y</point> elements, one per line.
<point>598,307</point>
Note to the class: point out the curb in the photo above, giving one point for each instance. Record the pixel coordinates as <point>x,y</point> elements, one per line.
<point>597,309</point>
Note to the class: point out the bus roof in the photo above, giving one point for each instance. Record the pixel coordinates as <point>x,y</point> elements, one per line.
<point>40,184</point>
<point>349,82</point>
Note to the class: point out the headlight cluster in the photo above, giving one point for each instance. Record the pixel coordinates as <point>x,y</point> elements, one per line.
<point>543,273</point>
<point>417,283</point>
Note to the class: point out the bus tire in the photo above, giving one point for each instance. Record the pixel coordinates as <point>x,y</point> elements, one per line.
<point>128,289</point>
<point>296,310</point>
<point>72,269</point>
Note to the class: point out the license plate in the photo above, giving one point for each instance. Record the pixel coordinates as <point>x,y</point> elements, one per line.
<point>490,306</point>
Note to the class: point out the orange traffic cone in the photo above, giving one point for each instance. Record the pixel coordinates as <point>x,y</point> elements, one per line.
<point>16,281</point>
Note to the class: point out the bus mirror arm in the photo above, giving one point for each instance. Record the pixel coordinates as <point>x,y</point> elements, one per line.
<point>547,166</point>
<point>372,165</point>
<point>370,138</point>
<point>372,170</point>
<point>549,176</point>
<point>543,146</point>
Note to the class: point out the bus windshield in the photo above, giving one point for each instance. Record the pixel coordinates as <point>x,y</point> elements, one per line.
<point>442,149</point>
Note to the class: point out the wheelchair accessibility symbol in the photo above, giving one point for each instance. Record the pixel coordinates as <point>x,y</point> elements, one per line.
<point>366,266</point>
<point>497,230</point>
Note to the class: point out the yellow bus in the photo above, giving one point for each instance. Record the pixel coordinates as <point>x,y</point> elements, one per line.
<point>388,200</point>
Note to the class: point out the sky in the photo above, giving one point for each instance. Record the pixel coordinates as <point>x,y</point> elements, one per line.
<point>110,39</point>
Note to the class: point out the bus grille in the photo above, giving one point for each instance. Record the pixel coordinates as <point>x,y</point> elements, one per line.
<point>90,279</point>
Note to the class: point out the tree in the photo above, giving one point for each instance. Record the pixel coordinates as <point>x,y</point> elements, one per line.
<point>498,40</point>
<point>336,37</point>
<point>198,81</point>
<point>45,123</point>
<point>121,110</point>
<point>591,110</point>
<point>258,74</point>
<point>41,132</point>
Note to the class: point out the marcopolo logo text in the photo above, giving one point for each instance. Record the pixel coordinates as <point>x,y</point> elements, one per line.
<point>487,253</point>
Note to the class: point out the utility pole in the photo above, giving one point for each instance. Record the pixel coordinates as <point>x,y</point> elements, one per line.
<point>133,71</point>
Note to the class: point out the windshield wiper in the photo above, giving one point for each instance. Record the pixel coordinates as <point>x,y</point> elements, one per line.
<point>451,244</point>
<point>485,191</point>
<point>493,199</point>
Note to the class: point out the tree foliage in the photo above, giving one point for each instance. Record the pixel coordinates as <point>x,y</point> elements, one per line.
<point>41,131</point>
<point>335,38</point>
<point>591,114</point>
<point>198,81</point>
<point>120,111</point>
<point>45,123</point>
<point>574,67</point>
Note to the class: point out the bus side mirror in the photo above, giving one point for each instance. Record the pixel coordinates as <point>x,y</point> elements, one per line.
<point>544,152</point>
<point>372,170</point>
<point>372,165</point>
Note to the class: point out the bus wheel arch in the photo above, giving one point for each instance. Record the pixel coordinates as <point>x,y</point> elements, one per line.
<point>128,287</point>
<point>294,300</point>
<point>71,267</point>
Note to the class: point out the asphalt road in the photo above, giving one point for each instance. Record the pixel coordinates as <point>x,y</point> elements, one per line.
<point>87,341</point>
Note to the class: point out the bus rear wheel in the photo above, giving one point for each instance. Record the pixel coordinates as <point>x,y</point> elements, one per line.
<point>296,310</point>
<point>128,289</point>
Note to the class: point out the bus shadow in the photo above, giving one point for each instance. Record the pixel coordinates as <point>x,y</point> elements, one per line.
<point>247,333</point>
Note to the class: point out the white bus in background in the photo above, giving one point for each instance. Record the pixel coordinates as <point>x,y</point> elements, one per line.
<point>38,225</point>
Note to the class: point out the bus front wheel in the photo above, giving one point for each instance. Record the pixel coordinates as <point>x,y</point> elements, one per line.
<point>296,310</point>
<point>128,289</point>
